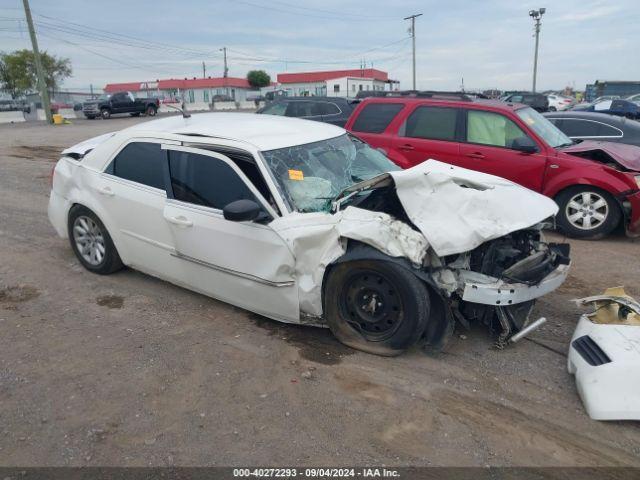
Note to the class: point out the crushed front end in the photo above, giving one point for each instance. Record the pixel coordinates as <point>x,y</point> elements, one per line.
<point>497,283</point>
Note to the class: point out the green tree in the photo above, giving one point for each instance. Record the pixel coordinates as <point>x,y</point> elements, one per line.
<point>258,78</point>
<point>18,71</point>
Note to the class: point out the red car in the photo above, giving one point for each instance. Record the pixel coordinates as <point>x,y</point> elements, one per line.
<point>596,184</point>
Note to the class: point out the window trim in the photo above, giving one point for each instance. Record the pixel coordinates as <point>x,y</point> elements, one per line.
<point>231,164</point>
<point>466,123</point>
<point>592,121</point>
<point>460,128</point>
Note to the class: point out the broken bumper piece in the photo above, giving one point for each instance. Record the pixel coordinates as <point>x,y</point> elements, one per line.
<point>605,359</point>
<point>487,290</point>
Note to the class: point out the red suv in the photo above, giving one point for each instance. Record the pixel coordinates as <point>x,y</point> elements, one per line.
<point>596,184</point>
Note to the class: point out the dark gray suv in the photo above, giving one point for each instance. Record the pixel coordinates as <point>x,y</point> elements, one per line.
<point>334,110</point>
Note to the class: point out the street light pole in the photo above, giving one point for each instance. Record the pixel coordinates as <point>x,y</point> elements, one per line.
<point>536,15</point>
<point>42,85</point>
<point>413,38</point>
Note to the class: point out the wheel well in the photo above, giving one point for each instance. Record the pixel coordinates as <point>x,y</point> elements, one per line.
<point>437,332</point>
<point>592,187</point>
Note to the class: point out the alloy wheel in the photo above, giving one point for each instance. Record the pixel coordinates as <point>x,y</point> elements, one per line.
<point>89,240</point>
<point>587,210</point>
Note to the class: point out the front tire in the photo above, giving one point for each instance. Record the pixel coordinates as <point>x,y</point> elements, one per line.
<point>105,113</point>
<point>552,109</point>
<point>375,306</point>
<point>91,242</point>
<point>587,212</point>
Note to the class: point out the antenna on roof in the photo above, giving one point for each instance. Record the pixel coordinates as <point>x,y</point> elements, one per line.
<point>182,110</point>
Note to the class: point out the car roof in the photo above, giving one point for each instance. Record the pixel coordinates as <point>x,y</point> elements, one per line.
<point>311,99</point>
<point>443,100</point>
<point>265,132</point>
<point>602,117</point>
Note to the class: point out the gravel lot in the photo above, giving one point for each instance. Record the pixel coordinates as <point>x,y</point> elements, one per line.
<point>129,370</point>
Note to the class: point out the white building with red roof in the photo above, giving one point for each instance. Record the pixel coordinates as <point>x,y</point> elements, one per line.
<point>192,90</point>
<point>335,83</point>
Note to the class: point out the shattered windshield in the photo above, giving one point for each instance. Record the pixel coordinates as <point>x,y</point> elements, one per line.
<point>310,176</point>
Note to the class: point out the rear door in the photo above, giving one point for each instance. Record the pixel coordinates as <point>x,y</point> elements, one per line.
<point>132,192</point>
<point>489,137</point>
<point>120,102</point>
<point>371,125</point>
<point>429,132</point>
<point>242,263</point>
<point>304,109</point>
<point>332,113</point>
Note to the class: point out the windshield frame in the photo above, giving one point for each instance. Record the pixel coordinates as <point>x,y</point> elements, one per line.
<point>283,195</point>
<point>540,132</point>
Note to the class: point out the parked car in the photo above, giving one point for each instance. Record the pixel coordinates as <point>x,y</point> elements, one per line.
<point>622,108</point>
<point>301,222</point>
<point>557,103</point>
<point>596,184</point>
<point>537,101</point>
<point>596,126</point>
<point>334,110</point>
<point>120,102</point>
<point>14,106</point>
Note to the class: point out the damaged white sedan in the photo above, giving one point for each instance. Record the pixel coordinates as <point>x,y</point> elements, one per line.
<point>300,222</point>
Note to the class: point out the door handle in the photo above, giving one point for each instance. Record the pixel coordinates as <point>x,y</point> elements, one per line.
<point>106,191</point>
<point>475,155</point>
<point>180,221</point>
<point>406,147</point>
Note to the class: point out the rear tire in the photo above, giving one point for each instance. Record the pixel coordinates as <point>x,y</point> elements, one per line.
<point>91,242</point>
<point>552,109</point>
<point>151,111</point>
<point>375,306</point>
<point>136,114</point>
<point>587,212</point>
<point>90,117</point>
<point>105,113</point>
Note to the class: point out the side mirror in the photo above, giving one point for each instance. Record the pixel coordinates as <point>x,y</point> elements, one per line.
<point>524,145</point>
<point>242,211</point>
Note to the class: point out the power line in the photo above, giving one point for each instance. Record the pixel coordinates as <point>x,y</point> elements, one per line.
<point>325,17</point>
<point>332,12</point>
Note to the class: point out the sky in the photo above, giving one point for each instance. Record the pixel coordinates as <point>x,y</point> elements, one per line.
<point>488,43</point>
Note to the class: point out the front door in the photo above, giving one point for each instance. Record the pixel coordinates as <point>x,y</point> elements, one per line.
<point>489,138</point>
<point>243,263</point>
<point>428,133</point>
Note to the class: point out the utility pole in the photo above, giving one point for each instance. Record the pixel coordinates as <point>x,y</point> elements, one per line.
<point>413,38</point>
<point>536,15</point>
<point>226,70</point>
<point>42,86</point>
<point>204,70</point>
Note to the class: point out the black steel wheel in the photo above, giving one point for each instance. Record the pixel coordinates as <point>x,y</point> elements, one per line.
<point>376,306</point>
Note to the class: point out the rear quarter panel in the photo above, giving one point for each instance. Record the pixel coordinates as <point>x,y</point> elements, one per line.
<point>74,183</point>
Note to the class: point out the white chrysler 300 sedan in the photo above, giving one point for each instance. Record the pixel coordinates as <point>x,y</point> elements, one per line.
<point>303,223</point>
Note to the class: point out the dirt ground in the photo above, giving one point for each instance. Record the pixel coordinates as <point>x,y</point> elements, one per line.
<point>128,370</point>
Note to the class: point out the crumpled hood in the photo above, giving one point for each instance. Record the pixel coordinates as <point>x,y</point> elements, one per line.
<point>626,155</point>
<point>457,209</point>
